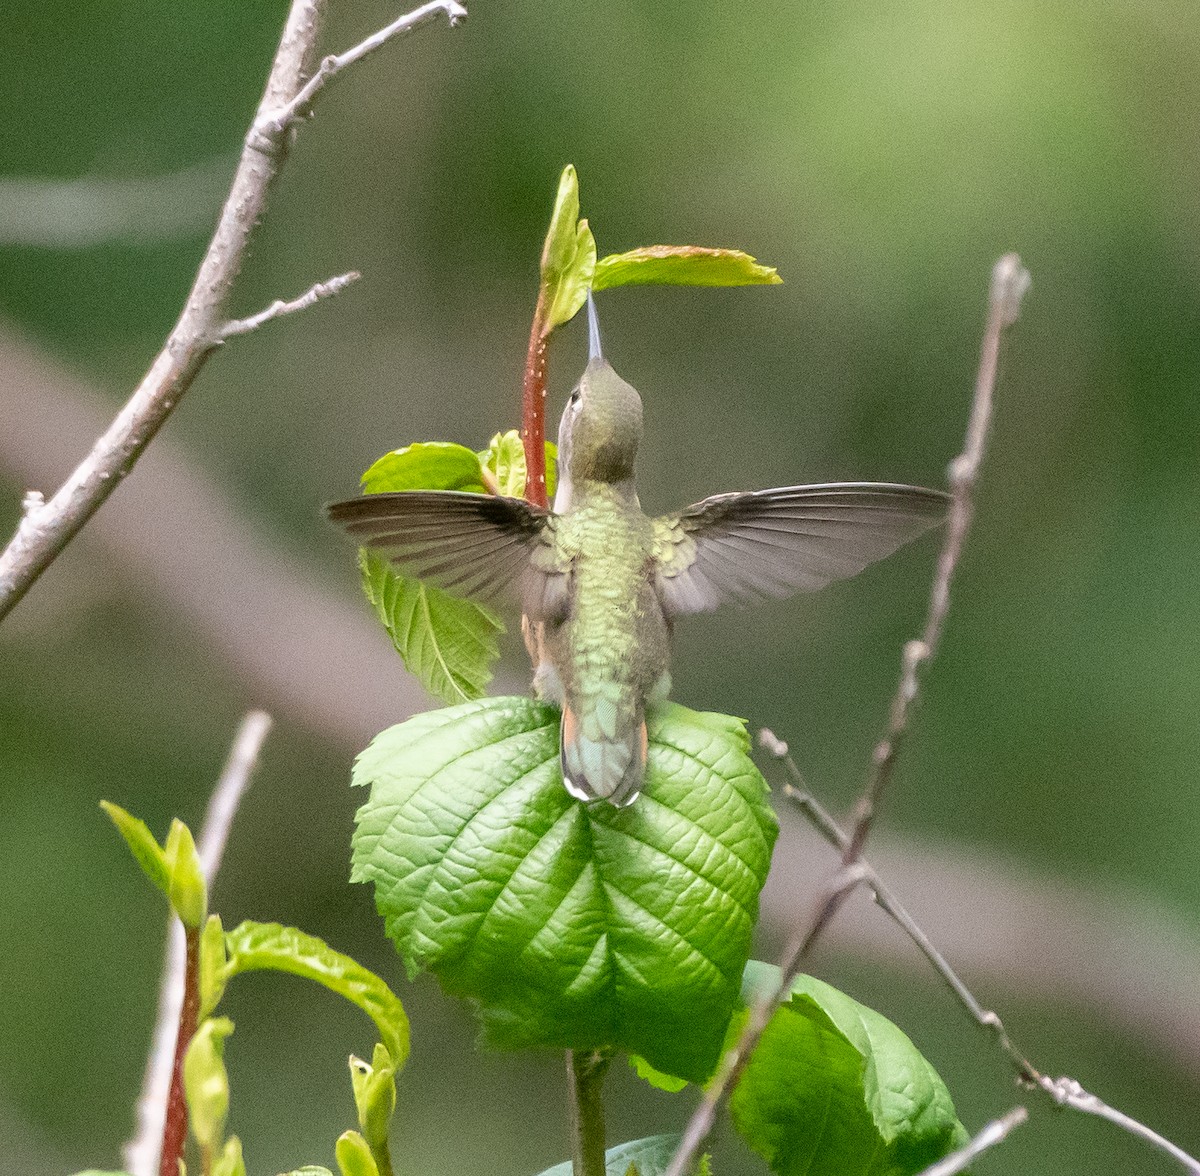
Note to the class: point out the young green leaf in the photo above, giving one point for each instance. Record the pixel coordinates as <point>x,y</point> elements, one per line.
<point>572,925</point>
<point>374,1097</point>
<point>568,257</point>
<point>649,1157</point>
<point>504,460</point>
<point>206,1084</point>
<point>660,1081</point>
<point>835,1088</point>
<point>354,1156</point>
<point>254,947</point>
<point>447,642</point>
<point>426,465</point>
<point>230,1162</point>
<point>146,851</point>
<point>682,265</point>
<point>187,889</point>
<point>213,972</point>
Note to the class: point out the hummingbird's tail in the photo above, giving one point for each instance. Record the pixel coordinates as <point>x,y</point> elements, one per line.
<point>596,767</point>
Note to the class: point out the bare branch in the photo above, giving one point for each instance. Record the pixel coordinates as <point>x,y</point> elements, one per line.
<point>279,307</point>
<point>42,534</point>
<point>1064,1091</point>
<point>1068,1093</point>
<point>1009,282</point>
<point>141,1153</point>
<point>995,1132</point>
<point>270,125</point>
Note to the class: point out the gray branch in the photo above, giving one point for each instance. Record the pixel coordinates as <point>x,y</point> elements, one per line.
<point>1063,1091</point>
<point>1009,283</point>
<point>43,533</point>
<point>995,1132</point>
<point>141,1153</point>
<point>279,307</point>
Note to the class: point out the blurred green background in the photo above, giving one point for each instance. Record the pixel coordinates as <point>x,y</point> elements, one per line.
<point>882,156</point>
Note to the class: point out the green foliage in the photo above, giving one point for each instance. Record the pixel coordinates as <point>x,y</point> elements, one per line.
<point>187,889</point>
<point>835,1088</point>
<point>568,257</point>
<point>504,459</point>
<point>656,1078</point>
<point>647,1157</point>
<point>682,265</point>
<point>173,868</point>
<point>569,266</point>
<point>256,946</point>
<point>145,849</point>
<point>206,1084</point>
<point>375,1099</point>
<point>570,925</point>
<point>354,1155</point>
<point>447,642</point>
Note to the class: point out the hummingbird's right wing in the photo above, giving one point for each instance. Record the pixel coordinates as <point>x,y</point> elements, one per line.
<point>770,543</point>
<point>488,547</point>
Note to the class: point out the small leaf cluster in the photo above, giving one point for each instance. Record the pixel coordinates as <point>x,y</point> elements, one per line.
<point>251,947</point>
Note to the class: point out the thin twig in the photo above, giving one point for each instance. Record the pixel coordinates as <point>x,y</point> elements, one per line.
<point>279,307</point>
<point>267,129</point>
<point>995,1132</point>
<point>533,407</point>
<point>42,535</point>
<point>1009,283</point>
<point>1068,1093</point>
<point>1063,1091</point>
<point>797,791</point>
<point>142,1153</point>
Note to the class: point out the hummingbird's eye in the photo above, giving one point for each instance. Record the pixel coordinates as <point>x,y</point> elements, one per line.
<point>573,399</point>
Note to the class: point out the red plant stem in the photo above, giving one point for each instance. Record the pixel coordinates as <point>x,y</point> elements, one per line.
<point>175,1128</point>
<point>533,409</point>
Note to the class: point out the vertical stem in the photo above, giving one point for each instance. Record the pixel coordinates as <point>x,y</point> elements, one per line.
<point>175,1128</point>
<point>533,408</point>
<point>585,1072</point>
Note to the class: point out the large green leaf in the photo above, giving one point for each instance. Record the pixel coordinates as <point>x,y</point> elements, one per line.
<point>253,947</point>
<point>682,265</point>
<point>835,1089</point>
<point>447,642</point>
<point>570,925</point>
<point>648,1157</point>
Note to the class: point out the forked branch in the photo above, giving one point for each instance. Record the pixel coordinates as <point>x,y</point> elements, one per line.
<point>46,529</point>
<point>1010,281</point>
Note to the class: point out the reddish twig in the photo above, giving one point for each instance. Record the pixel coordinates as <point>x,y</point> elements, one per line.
<point>533,408</point>
<point>176,1123</point>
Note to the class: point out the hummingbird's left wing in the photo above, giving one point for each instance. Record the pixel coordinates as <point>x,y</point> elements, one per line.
<point>487,547</point>
<point>770,543</point>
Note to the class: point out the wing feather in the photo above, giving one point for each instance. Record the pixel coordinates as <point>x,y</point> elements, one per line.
<point>771,543</point>
<point>488,547</point>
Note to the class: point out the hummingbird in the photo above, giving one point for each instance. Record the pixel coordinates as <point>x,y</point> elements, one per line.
<point>602,583</point>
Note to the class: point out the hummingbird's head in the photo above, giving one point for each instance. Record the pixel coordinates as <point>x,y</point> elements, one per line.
<point>601,426</point>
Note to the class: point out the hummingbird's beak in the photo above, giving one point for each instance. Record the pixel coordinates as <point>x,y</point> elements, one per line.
<point>594,351</point>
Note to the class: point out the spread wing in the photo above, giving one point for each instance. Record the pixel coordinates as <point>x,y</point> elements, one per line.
<point>770,543</point>
<point>487,547</point>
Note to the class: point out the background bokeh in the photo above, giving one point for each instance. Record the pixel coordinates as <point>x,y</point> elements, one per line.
<point>882,156</point>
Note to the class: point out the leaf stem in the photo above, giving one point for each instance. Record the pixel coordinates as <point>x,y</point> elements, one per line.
<point>585,1072</point>
<point>533,407</point>
<point>176,1125</point>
